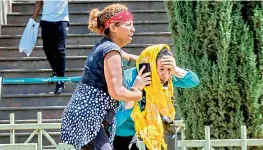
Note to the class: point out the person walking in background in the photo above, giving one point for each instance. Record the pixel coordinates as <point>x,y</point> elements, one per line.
<point>54,24</point>
<point>88,121</point>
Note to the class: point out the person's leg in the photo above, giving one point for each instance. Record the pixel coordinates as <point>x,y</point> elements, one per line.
<point>134,147</point>
<point>48,35</point>
<point>100,142</point>
<point>60,54</point>
<point>90,146</point>
<point>122,143</point>
<point>61,46</point>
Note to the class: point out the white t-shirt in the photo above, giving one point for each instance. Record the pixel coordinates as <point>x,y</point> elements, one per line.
<point>55,10</point>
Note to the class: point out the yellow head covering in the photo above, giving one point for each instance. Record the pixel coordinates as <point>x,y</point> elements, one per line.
<point>148,124</point>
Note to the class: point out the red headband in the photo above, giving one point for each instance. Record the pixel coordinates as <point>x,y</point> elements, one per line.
<point>119,17</point>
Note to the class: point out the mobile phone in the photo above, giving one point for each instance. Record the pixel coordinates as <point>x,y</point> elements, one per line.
<point>146,69</point>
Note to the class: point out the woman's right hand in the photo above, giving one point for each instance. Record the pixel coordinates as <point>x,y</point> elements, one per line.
<point>142,79</point>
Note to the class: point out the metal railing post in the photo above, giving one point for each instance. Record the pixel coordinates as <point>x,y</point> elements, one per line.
<point>12,131</point>
<point>244,138</point>
<point>207,138</point>
<point>39,121</point>
<point>0,86</point>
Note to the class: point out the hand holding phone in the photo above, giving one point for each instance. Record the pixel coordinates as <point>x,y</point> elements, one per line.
<point>147,69</point>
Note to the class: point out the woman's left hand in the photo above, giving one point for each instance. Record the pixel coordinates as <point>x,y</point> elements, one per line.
<point>169,62</point>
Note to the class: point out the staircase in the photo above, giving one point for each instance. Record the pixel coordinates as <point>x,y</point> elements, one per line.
<point>25,100</point>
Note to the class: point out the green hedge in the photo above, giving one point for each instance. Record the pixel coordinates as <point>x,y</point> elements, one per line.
<point>222,41</point>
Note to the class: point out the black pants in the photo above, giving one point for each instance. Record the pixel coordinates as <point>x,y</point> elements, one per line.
<point>122,143</point>
<point>54,40</point>
<point>100,142</point>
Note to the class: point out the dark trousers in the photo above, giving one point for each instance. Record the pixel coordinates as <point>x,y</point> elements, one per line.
<point>100,142</point>
<point>54,40</point>
<point>122,143</point>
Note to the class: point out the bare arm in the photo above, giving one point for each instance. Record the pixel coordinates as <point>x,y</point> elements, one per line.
<point>129,59</point>
<point>38,6</point>
<point>113,75</point>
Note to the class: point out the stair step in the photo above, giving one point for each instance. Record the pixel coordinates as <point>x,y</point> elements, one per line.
<point>88,5</point>
<point>26,73</point>
<point>71,50</point>
<point>23,113</point>
<point>35,88</point>
<point>38,62</point>
<point>82,17</point>
<point>77,28</point>
<point>27,100</point>
<point>82,39</point>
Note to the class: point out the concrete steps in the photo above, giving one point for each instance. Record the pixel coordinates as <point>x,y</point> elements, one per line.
<point>82,16</point>
<point>29,100</point>
<point>82,39</point>
<point>82,28</point>
<point>38,62</point>
<point>36,73</point>
<point>71,50</point>
<point>75,6</point>
<point>24,113</point>
<point>34,88</point>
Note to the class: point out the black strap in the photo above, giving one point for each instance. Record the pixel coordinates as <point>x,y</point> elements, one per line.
<point>107,121</point>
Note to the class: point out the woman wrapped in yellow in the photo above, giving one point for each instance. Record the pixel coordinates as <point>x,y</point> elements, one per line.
<point>143,118</point>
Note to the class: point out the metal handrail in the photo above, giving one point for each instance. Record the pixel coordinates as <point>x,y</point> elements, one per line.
<point>39,130</point>
<point>39,80</point>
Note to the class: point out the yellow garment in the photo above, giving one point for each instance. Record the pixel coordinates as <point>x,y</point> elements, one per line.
<point>148,124</point>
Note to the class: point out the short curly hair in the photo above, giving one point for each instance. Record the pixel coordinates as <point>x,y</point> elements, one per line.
<point>98,18</point>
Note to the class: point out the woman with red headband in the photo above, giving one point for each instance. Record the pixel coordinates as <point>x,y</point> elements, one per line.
<point>88,121</point>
